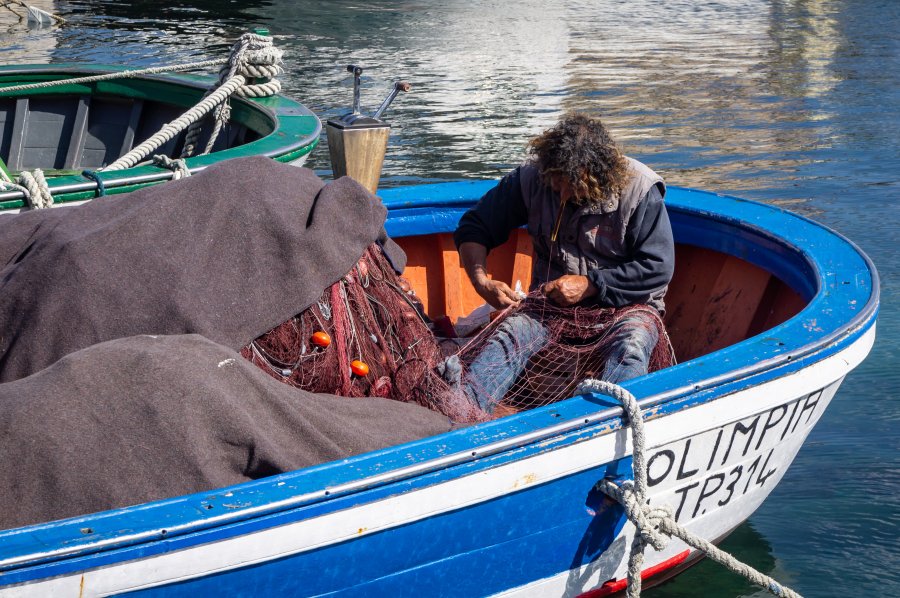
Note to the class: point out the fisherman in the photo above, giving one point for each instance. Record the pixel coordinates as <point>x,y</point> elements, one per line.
<point>601,237</point>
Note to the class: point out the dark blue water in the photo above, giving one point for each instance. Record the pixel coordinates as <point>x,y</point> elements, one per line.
<point>790,102</point>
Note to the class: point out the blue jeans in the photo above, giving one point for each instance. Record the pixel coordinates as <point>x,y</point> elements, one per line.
<point>507,351</point>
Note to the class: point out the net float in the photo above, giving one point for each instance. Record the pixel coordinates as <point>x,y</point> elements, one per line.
<point>321,339</point>
<point>360,368</point>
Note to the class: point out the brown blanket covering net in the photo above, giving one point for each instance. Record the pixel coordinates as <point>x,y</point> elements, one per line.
<point>125,322</point>
<point>120,326</point>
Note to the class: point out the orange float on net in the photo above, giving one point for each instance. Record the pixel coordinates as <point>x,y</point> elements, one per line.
<point>360,368</point>
<point>321,339</point>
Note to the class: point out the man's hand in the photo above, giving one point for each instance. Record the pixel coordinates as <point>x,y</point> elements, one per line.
<point>497,293</point>
<point>569,289</point>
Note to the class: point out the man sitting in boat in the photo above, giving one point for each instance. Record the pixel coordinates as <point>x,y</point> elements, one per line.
<point>601,239</point>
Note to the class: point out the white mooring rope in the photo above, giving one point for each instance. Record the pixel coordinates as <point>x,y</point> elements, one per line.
<point>254,57</point>
<point>655,525</point>
<point>33,186</point>
<point>176,126</point>
<point>172,68</point>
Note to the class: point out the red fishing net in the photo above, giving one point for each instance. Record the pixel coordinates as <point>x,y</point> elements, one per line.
<point>574,343</point>
<point>367,336</point>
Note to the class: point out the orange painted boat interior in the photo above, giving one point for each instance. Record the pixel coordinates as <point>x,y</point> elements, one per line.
<point>715,299</point>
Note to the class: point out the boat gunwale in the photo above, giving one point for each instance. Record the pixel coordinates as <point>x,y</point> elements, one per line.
<point>73,544</point>
<point>279,110</point>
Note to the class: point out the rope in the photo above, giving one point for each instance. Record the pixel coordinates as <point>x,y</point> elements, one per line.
<point>34,188</point>
<point>172,129</point>
<point>189,66</point>
<point>90,174</point>
<point>38,192</point>
<point>256,59</point>
<point>178,166</point>
<point>655,525</point>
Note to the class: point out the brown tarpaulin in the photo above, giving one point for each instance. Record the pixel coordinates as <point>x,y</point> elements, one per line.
<point>96,414</point>
<point>144,418</point>
<point>228,253</point>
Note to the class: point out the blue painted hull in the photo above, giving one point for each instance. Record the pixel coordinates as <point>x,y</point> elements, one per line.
<point>506,506</point>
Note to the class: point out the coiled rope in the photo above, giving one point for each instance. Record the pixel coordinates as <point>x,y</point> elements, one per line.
<point>32,185</point>
<point>656,525</point>
<point>254,57</point>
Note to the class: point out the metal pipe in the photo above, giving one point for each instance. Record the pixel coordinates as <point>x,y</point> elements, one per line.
<point>398,87</point>
<point>357,71</point>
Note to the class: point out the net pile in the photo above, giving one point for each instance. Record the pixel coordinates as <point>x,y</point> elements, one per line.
<point>367,336</point>
<point>575,345</point>
<point>376,343</point>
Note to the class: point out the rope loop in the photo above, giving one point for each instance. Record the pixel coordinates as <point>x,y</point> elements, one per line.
<point>35,189</point>
<point>655,525</point>
<point>90,174</point>
<point>256,61</point>
<point>178,166</point>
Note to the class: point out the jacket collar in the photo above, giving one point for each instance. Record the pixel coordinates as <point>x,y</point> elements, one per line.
<point>607,206</point>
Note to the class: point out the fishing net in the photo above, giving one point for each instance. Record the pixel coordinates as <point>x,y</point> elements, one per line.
<point>365,336</point>
<point>368,336</point>
<point>538,352</point>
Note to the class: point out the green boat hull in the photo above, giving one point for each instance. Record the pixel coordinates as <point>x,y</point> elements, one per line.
<point>69,128</point>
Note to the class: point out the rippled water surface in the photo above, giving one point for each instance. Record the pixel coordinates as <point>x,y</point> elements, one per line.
<point>790,102</point>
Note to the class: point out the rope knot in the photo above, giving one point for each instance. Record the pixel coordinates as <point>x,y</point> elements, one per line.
<point>36,190</point>
<point>178,166</point>
<point>647,519</point>
<point>255,58</point>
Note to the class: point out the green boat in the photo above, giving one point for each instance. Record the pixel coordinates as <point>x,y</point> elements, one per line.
<point>73,131</point>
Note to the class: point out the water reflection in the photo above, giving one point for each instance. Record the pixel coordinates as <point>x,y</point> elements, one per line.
<point>705,85</point>
<point>22,42</point>
<point>711,579</point>
<point>719,95</point>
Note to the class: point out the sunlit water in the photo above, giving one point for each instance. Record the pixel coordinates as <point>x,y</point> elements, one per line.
<point>790,102</point>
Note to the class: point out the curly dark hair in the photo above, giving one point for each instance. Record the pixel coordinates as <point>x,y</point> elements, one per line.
<point>581,150</point>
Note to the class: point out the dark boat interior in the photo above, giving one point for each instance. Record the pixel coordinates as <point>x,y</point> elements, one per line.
<point>72,132</point>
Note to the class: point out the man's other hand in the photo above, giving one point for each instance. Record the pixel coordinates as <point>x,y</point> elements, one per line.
<point>497,293</point>
<point>569,289</point>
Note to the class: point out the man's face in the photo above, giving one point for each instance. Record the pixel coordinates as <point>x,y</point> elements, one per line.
<point>563,187</point>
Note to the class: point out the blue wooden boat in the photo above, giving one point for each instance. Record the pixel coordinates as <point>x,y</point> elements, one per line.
<point>769,311</point>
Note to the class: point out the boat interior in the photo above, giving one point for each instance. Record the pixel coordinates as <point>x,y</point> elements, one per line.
<point>715,299</point>
<point>63,132</point>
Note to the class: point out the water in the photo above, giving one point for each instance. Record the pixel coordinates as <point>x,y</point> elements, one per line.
<point>790,102</point>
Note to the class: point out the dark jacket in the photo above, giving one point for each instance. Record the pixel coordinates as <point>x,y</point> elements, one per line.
<point>623,245</point>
